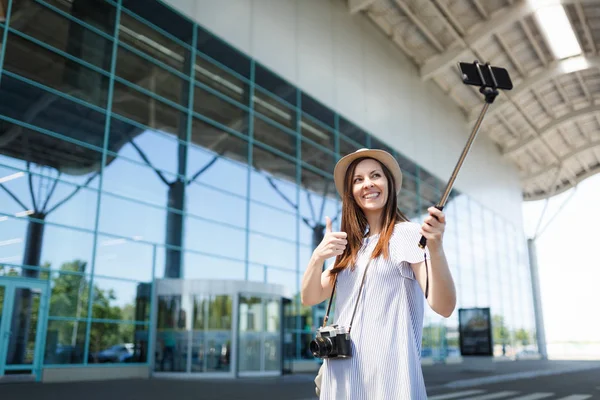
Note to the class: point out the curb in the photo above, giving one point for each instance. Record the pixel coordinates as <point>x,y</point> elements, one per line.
<point>512,377</point>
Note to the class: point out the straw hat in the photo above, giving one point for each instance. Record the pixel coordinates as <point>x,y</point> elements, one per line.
<point>382,156</point>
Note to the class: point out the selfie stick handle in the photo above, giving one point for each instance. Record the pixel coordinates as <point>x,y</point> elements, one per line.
<point>490,94</point>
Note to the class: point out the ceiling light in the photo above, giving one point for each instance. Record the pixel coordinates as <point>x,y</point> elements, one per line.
<point>556,28</point>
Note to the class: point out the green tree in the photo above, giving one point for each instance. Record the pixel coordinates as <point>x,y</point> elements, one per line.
<point>523,336</point>
<point>500,331</point>
<point>70,294</point>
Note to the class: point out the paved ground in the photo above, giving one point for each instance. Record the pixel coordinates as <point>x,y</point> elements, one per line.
<point>441,380</point>
<point>580,385</point>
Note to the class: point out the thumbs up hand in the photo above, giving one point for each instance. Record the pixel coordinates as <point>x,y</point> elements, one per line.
<point>333,243</point>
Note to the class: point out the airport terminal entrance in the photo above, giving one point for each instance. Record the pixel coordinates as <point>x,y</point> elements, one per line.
<point>22,327</point>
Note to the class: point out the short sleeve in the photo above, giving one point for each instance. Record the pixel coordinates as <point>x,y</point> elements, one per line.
<point>404,245</point>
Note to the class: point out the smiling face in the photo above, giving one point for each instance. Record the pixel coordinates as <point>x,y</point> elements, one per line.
<point>370,186</point>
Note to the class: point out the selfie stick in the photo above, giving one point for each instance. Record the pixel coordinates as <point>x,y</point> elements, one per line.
<point>490,91</point>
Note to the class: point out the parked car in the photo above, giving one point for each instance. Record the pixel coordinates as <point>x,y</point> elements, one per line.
<point>118,353</point>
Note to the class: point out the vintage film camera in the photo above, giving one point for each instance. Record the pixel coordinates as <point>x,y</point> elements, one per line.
<point>332,341</point>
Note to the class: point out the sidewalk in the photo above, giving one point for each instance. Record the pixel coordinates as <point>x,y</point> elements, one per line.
<point>288,387</point>
<point>462,374</point>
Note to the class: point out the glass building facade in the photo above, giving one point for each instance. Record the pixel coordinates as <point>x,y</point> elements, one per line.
<point>136,145</point>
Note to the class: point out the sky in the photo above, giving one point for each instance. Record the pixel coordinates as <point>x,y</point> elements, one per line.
<point>567,260</point>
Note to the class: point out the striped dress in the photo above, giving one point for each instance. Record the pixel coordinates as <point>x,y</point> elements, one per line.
<point>387,329</point>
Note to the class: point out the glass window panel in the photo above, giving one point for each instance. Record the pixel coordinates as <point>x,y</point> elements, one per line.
<point>409,204</point>
<point>56,201</point>
<point>71,37</point>
<point>272,343</point>
<point>148,111</point>
<point>314,207</point>
<point>257,273</point>
<point>69,293</point>
<point>251,326</point>
<point>113,299</point>
<point>211,340</point>
<point>65,342</point>
<point>274,84</point>
<point>150,76</point>
<point>199,266</point>
<point>318,157</point>
<point>224,167</point>
<point>98,14</point>
<point>223,82</point>
<point>115,343</point>
<point>223,53</point>
<point>32,61</point>
<point>318,133</point>
<point>352,131</point>
<point>347,147</point>
<point>429,194</point>
<point>218,142</point>
<point>122,258</point>
<point>209,203</point>
<point>273,252</point>
<point>135,180</point>
<point>378,144</point>
<point>209,237</point>
<point>171,334</point>
<point>140,35</point>
<point>271,135</point>
<point>272,222</point>
<point>288,279</point>
<point>158,149</point>
<point>64,248</point>
<point>132,219</point>
<point>275,111</point>
<point>317,183</point>
<point>56,114</point>
<point>317,110</point>
<point>273,181</point>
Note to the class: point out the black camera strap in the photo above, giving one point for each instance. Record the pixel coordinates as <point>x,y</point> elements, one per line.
<point>326,318</point>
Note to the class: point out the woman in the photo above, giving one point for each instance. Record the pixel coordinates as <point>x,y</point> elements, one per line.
<point>388,324</point>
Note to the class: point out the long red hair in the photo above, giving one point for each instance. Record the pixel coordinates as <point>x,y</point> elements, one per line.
<point>354,221</point>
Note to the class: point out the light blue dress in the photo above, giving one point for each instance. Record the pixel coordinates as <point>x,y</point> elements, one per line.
<point>387,329</point>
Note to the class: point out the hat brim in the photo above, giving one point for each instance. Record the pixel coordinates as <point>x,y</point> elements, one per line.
<point>339,172</point>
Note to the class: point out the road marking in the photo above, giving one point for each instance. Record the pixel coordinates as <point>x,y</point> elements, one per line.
<point>533,396</point>
<point>577,397</point>
<point>497,395</point>
<point>456,394</point>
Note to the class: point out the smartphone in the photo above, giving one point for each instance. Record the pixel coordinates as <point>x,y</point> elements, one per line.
<point>471,76</point>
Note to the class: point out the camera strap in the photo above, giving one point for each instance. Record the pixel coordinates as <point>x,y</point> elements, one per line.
<point>326,318</point>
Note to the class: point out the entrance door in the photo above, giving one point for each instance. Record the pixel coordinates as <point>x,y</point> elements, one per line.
<point>259,336</point>
<point>22,326</point>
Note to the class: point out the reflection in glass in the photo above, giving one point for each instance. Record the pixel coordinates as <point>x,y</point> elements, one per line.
<point>272,343</point>
<point>70,292</point>
<point>24,325</point>
<point>211,338</point>
<point>250,331</point>
<point>115,299</point>
<point>171,335</point>
<point>114,343</point>
<point>65,341</point>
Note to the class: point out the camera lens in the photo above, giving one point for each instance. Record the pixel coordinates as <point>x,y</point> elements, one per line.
<point>321,347</point>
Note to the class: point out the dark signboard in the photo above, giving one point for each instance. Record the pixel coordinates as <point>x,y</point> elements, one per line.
<point>475,328</point>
